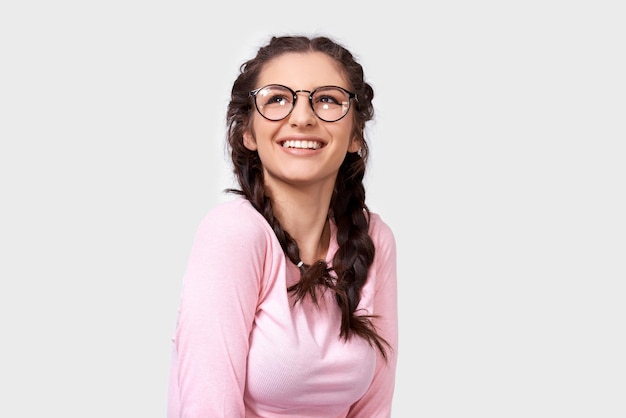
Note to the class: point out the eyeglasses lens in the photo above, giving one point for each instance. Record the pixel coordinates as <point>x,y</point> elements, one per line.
<point>330,103</point>
<point>274,102</point>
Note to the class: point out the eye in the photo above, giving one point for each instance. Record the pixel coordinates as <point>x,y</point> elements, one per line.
<point>273,96</point>
<point>327,98</point>
<point>276,99</point>
<point>330,96</point>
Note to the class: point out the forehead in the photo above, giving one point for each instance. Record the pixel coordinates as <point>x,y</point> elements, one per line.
<point>303,71</point>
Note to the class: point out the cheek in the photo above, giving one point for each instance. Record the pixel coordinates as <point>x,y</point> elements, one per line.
<point>263,129</point>
<point>258,132</point>
<point>346,133</point>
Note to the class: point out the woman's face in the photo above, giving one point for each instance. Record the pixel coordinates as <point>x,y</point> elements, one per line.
<point>301,149</point>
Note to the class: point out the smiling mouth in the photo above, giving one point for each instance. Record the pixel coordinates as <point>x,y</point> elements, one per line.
<point>302,144</point>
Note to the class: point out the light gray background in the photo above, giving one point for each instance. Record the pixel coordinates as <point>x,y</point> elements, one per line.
<point>497,159</point>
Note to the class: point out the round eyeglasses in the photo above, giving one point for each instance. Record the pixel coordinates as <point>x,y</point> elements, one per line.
<point>329,103</point>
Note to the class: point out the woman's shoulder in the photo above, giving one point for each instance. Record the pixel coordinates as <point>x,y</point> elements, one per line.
<point>381,233</point>
<point>233,207</point>
<point>379,227</point>
<point>235,217</point>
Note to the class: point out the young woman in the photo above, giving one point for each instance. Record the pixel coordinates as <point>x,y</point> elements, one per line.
<point>289,300</point>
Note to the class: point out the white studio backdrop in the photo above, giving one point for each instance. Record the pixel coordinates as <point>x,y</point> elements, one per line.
<point>497,159</point>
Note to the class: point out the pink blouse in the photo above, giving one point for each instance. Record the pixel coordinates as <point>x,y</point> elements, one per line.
<point>241,349</point>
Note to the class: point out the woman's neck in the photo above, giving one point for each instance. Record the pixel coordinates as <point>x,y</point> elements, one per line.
<point>304,215</point>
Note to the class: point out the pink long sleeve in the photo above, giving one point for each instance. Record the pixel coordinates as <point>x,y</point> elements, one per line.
<point>217,307</point>
<point>242,350</point>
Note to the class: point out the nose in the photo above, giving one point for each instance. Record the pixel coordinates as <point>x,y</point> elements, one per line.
<point>302,113</point>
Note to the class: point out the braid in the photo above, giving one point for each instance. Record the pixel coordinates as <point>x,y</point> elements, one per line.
<point>355,254</point>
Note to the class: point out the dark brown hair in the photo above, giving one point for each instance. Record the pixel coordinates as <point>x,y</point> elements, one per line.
<point>355,254</point>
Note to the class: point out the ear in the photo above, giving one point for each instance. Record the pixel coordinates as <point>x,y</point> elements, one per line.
<point>355,145</point>
<point>249,141</point>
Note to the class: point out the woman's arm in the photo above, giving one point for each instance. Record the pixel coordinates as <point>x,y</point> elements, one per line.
<point>217,308</point>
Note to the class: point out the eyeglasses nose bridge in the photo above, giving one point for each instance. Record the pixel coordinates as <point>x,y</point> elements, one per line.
<point>295,93</point>
<point>310,97</point>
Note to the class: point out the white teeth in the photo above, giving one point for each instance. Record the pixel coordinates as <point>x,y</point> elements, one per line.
<point>302,144</point>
